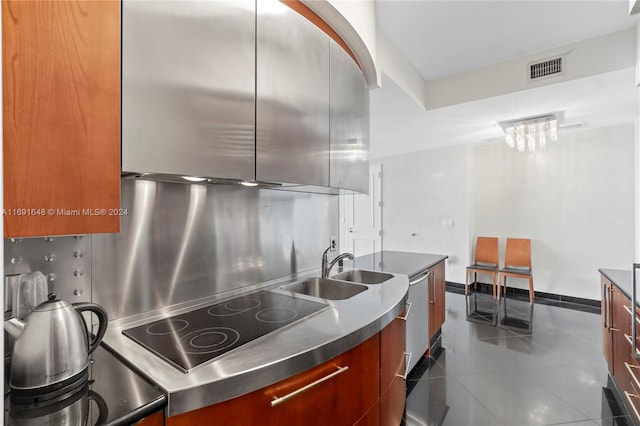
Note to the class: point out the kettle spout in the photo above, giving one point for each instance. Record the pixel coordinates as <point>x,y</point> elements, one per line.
<point>14,327</point>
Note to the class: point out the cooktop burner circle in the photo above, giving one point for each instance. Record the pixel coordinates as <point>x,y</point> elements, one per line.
<point>272,315</point>
<point>168,326</point>
<point>233,307</point>
<point>208,340</point>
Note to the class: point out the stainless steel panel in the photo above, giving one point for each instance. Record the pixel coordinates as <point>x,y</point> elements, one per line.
<point>292,115</point>
<point>183,242</point>
<point>349,165</point>
<point>65,261</point>
<point>417,341</point>
<point>188,95</point>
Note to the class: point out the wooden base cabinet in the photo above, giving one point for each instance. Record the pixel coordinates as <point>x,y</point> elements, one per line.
<point>61,123</point>
<point>616,344</point>
<point>155,419</point>
<point>363,386</point>
<point>392,372</point>
<point>341,399</point>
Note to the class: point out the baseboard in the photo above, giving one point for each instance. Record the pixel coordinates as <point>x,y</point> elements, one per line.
<point>618,404</point>
<point>540,297</point>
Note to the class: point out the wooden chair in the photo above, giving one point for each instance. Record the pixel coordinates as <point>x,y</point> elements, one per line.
<point>517,263</point>
<point>485,261</point>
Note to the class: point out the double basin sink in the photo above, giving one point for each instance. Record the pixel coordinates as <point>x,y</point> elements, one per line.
<point>342,286</point>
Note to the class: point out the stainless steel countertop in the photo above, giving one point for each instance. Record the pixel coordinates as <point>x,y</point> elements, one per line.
<point>125,396</point>
<point>400,262</point>
<point>267,360</point>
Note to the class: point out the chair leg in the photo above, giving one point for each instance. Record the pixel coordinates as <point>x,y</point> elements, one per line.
<point>505,285</point>
<point>475,281</point>
<point>466,283</point>
<point>531,290</point>
<point>499,278</point>
<point>493,276</point>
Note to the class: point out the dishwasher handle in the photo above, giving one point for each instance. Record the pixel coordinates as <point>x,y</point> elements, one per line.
<point>420,278</point>
<point>634,342</point>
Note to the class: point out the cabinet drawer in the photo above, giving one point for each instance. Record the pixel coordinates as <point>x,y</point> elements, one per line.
<point>338,391</point>
<point>372,418</point>
<point>633,401</point>
<point>392,346</point>
<point>392,402</point>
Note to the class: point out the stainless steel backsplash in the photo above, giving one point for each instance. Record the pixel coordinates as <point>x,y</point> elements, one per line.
<point>182,242</point>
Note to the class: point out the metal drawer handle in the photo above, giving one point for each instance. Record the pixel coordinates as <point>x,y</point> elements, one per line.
<point>406,315</point>
<point>626,336</point>
<point>419,280</point>
<point>629,396</point>
<point>433,291</point>
<point>282,399</point>
<point>628,309</point>
<point>630,370</point>
<point>605,303</point>
<point>609,314</point>
<point>407,360</point>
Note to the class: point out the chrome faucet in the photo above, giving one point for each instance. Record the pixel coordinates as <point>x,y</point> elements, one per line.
<point>326,266</point>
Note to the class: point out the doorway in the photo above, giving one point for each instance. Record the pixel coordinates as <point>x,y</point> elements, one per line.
<point>361,217</point>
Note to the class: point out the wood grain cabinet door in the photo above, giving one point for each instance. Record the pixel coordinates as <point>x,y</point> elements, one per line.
<point>61,103</point>
<point>620,329</point>
<point>305,399</point>
<point>392,372</point>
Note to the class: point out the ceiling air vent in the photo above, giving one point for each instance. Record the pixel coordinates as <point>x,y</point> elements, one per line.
<point>546,68</point>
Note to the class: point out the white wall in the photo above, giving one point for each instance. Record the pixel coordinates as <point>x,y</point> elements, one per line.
<point>575,200</point>
<point>399,69</point>
<point>511,76</point>
<point>419,191</point>
<point>355,22</point>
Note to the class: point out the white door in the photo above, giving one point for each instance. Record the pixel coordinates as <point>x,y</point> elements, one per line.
<point>362,221</point>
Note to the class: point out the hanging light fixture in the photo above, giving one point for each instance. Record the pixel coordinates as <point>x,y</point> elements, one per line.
<point>531,132</point>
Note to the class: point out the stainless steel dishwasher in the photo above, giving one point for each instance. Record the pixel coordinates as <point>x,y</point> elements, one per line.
<point>417,316</point>
<point>417,266</point>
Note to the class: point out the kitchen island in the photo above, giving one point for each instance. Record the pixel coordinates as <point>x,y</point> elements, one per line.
<point>617,336</point>
<point>399,262</point>
<point>355,328</point>
<point>426,295</point>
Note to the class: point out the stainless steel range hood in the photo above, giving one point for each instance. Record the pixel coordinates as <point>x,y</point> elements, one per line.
<point>177,178</point>
<point>188,90</point>
<point>189,98</point>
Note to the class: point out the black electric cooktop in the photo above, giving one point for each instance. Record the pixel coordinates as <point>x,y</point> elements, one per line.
<point>190,339</point>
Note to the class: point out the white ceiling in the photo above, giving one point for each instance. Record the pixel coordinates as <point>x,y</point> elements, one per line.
<point>443,38</point>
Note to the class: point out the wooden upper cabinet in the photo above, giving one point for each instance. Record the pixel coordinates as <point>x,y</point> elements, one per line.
<point>61,106</point>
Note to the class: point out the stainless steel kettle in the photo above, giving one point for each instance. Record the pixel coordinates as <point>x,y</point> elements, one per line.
<point>51,352</point>
<point>71,411</point>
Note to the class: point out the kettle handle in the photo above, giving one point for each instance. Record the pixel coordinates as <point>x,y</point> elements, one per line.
<point>102,321</point>
<point>103,409</point>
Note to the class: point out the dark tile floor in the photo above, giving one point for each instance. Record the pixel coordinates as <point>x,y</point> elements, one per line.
<point>512,363</point>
